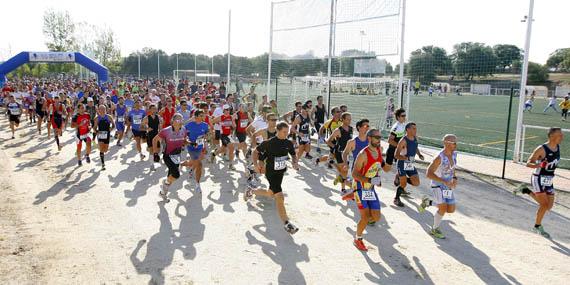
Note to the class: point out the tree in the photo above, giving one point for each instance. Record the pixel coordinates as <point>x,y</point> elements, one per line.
<point>537,73</point>
<point>507,55</point>
<point>389,68</point>
<point>559,60</point>
<point>59,28</point>
<point>106,49</point>
<point>473,59</point>
<point>427,62</point>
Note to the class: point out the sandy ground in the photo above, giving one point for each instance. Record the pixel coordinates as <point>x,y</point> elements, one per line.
<point>63,224</point>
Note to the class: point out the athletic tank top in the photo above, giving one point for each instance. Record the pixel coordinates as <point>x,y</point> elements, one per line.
<point>345,136</point>
<point>121,111</point>
<point>167,116</point>
<point>358,146</point>
<point>320,114</point>
<point>154,123</point>
<point>371,169</point>
<point>411,147</point>
<point>552,159</point>
<point>242,122</point>
<point>399,130</point>
<point>103,124</point>
<point>39,105</point>
<point>304,124</point>
<point>446,168</point>
<point>58,111</point>
<point>226,123</point>
<point>14,109</point>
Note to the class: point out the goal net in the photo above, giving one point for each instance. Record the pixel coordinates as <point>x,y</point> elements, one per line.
<point>480,89</point>
<point>532,136</point>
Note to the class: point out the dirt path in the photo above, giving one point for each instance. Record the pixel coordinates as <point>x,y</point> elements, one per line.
<point>67,225</point>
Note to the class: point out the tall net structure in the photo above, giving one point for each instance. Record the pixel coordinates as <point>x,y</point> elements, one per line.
<point>335,49</point>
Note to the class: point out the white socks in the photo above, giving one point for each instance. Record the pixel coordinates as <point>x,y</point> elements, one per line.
<point>437,220</point>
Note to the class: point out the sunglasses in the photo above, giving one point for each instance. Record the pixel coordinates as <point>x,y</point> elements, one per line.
<point>404,115</point>
<point>454,143</point>
<point>272,120</point>
<point>376,137</point>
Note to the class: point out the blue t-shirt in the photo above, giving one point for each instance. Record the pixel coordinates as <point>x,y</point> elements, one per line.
<point>115,99</point>
<point>130,104</point>
<point>197,135</point>
<point>136,117</point>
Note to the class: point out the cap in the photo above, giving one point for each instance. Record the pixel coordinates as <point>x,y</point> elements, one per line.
<point>89,99</point>
<point>226,106</point>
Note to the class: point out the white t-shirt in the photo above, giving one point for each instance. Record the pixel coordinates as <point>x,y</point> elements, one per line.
<point>259,124</point>
<point>218,112</point>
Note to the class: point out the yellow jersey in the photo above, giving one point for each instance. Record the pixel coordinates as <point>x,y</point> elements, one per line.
<point>565,104</point>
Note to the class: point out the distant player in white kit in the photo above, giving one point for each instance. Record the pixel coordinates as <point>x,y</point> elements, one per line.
<point>551,104</point>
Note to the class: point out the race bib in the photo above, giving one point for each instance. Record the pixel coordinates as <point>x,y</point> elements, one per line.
<point>305,138</point>
<point>280,163</point>
<point>368,195</point>
<point>15,112</point>
<point>175,158</point>
<point>120,119</point>
<point>243,123</point>
<point>82,137</point>
<point>102,135</point>
<point>546,180</point>
<point>137,121</point>
<point>409,166</point>
<point>447,194</point>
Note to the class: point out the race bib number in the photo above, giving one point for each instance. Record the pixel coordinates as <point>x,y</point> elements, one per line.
<point>243,123</point>
<point>102,135</point>
<point>546,180</point>
<point>447,194</point>
<point>82,137</point>
<point>137,121</point>
<point>200,141</point>
<point>280,163</point>
<point>175,158</point>
<point>120,119</point>
<point>15,112</point>
<point>409,166</point>
<point>368,195</point>
<point>305,138</point>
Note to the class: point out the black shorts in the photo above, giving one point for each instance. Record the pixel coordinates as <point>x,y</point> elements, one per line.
<point>318,126</point>
<point>104,141</point>
<point>225,140</point>
<point>390,155</point>
<point>241,137</point>
<point>40,114</point>
<point>173,168</point>
<point>138,134</point>
<point>338,157</point>
<point>217,135</point>
<point>149,137</point>
<point>300,140</point>
<point>15,119</point>
<point>275,179</point>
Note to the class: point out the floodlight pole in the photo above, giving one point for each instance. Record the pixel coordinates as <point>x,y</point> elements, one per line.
<point>176,61</point>
<point>329,69</point>
<point>270,53</point>
<point>229,55</point>
<point>401,79</point>
<point>518,138</point>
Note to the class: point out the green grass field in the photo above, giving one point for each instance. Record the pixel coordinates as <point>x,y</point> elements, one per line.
<point>480,122</point>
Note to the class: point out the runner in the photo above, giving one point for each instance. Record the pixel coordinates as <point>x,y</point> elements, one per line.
<point>174,138</point>
<point>227,124</point>
<point>242,121</point>
<point>167,112</point>
<point>197,132</point>
<point>300,127</point>
<point>120,113</point>
<point>271,157</point>
<point>134,122</point>
<point>441,171</point>
<point>151,124</point>
<point>551,104</point>
<point>544,160</point>
<point>397,131</point>
<point>366,173</point>
<point>353,148</point>
<point>564,106</point>
<point>326,130</point>
<point>58,112</point>
<point>14,109</point>
<point>82,123</point>
<point>319,111</point>
<point>337,141</point>
<point>40,110</point>
<point>103,127</point>
<point>405,153</point>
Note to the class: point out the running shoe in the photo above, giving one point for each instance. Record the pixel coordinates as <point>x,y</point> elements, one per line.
<point>142,156</point>
<point>423,205</point>
<point>337,180</point>
<point>397,180</point>
<point>347,194</point>
<point>232,167</point>
<point>405,193</point>
<point>163,196</point>
<point>359,244</point>
<point>103,167</point>
<point>522,189</point>
<point>248,194</point>
<point>540,230</point>
<point>79,163</point>
<point>13,137</point>
<point>87,159</point>
<point>308,156</point>
<point>398,202</point>
<point>318,150</point>
<point>317,160</point>
<point>290,228</point>
<point>437,233</point>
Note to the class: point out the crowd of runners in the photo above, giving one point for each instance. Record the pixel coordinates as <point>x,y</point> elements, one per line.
<point>192,125</point>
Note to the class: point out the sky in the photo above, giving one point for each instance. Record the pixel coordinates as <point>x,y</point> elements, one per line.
<point>200,26</point>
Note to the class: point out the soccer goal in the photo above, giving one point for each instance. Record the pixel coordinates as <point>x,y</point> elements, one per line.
<point>532,136</point>
<point>480,89</point>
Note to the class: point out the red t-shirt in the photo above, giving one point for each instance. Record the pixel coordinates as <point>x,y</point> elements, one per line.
<point>226,122</point>
<point>83,122</point>
<point>242,122</point>
<point>167,116</point>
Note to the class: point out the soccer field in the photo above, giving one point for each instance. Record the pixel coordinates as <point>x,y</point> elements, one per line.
<point>480,122</point>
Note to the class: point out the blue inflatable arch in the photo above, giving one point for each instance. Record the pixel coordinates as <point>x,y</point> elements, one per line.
<point>53,57</point>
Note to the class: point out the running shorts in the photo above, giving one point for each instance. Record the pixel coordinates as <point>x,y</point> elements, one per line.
<point>173,168</point>
<point>367,199</point>
<point>406,168</point>
<point>443,195</point>
<point>275,180</point>
<point>542,184</point>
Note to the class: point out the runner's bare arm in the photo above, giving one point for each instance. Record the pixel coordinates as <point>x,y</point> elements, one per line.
<point>401,147</point>
<point>333,136</point>
<point>432,168</point>
<point>155,141</point>
<point>358,165</point>
<point>537,155</point>
<point>392,140</point>
<point>348,149</point>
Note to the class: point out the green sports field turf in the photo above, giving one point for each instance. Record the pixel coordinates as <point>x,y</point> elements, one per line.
<point>480,122</point>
